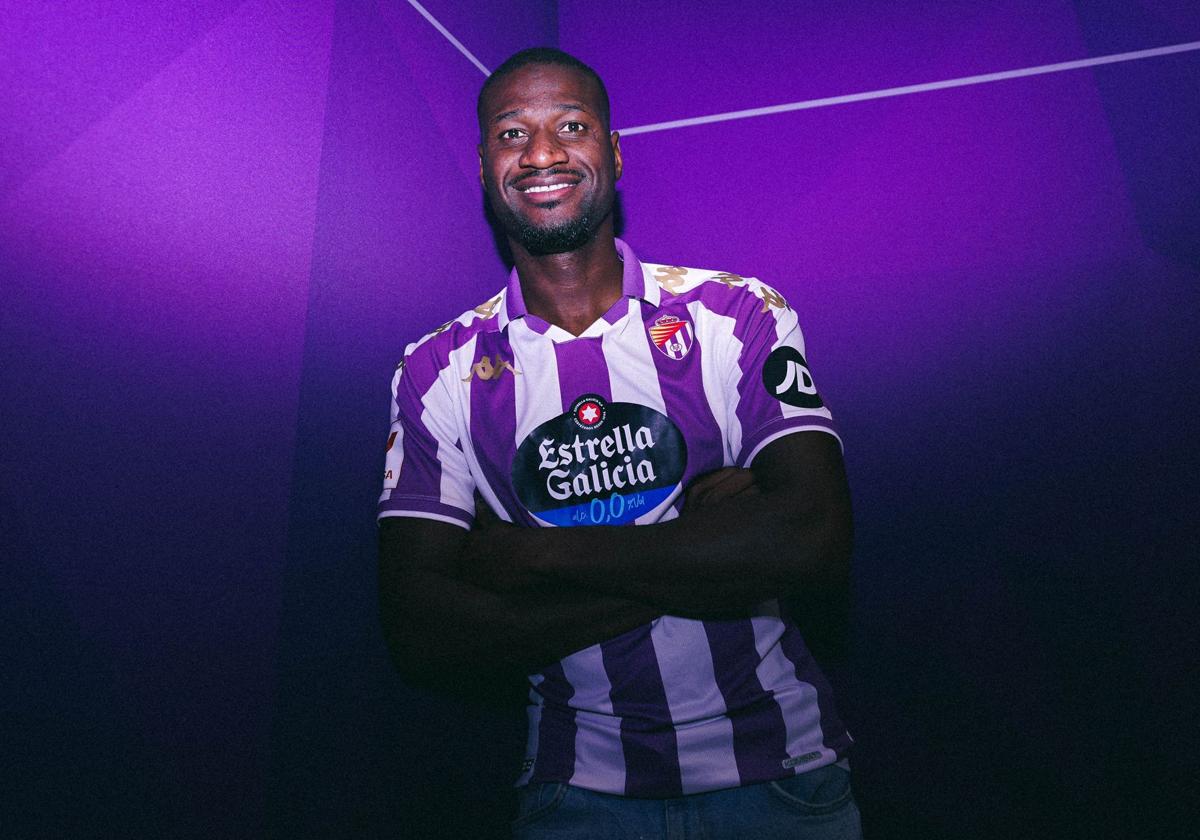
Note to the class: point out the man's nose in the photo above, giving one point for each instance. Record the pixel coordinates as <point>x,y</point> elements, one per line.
<point>543,151</point>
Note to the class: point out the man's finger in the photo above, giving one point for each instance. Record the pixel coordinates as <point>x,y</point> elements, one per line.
<point>485,517</point>
<point>703,483</point>
<point>718,485</point>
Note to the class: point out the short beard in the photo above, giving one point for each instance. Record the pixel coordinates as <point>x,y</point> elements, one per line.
<point>559,239</point>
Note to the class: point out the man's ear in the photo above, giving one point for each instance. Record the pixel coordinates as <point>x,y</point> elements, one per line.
<point>616,146</point>
<point>479,149</point>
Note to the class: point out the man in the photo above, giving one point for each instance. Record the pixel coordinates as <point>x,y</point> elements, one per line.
<point>597,392</point>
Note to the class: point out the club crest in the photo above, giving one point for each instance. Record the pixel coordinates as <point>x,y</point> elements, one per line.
<point>672,336</point>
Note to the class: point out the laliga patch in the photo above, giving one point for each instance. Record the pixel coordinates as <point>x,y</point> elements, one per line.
<point>672,336</point>
<point>788,379</point>
<point>393,458</point>
<point>599,463</point>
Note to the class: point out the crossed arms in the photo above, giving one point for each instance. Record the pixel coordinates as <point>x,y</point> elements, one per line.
<point>499,599</point>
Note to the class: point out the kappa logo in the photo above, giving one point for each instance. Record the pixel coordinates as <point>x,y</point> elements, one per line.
<point>490,367</point>
<point>788,379</point>
<point>770,298</point>
<point>670,278</point>
<point>488,308</point>
<point>672,336</point>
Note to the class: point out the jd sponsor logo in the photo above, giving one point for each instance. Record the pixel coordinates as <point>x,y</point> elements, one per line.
<point>599,463</point>
<point>788,379</point>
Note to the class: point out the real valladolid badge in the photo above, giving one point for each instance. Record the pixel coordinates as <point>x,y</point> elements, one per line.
<point>673,336</point>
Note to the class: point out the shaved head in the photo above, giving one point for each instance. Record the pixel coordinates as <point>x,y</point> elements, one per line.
<point>539,56</point>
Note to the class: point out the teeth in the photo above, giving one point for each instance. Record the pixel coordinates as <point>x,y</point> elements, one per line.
<point>548,188</point>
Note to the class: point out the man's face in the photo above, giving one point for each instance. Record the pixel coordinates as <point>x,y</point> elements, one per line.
<point>546,159</point>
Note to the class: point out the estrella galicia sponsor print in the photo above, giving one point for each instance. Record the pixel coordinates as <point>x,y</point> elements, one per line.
<point>599,463</point>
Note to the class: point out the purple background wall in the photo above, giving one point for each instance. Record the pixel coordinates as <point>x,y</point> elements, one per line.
<point>220,224</point>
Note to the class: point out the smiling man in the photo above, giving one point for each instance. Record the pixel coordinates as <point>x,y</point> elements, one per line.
<point>607,478</point>
<point>551,200</point>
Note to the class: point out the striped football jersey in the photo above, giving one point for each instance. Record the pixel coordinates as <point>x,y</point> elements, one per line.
<point>689,371</point>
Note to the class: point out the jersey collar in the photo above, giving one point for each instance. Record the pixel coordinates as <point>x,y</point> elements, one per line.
<point>635,283</point>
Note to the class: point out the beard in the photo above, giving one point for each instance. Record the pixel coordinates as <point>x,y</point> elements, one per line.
<point>554,239</point>
<point>557,239</point>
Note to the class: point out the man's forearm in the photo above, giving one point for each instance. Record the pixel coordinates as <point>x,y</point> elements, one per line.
<point>712,563</point>
<point>477,630</point>
<point>715,559</point>
<point>503,597</point>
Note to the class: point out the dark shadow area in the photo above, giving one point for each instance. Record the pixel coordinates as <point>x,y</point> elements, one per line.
<point>1153,111</point>
<point>1022,629</point>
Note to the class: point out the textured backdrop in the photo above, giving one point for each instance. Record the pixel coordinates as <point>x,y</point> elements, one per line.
<point>220,222</point>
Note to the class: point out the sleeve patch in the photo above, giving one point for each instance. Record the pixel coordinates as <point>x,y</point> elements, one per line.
<point>787,378</point>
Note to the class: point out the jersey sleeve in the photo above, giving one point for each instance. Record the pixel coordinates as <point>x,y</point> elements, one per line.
<point>425,471</point>
<point>776,393</point>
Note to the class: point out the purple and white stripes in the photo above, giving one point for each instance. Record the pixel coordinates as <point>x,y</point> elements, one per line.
<point>677,706</point>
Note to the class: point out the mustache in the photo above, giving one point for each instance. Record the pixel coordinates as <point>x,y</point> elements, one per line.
<point>545,173</point>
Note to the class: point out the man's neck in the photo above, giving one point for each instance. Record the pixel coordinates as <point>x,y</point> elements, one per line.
<point>573,289</point>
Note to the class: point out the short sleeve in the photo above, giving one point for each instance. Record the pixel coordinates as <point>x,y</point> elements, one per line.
<point>425,471</point>
<point>776,391</point>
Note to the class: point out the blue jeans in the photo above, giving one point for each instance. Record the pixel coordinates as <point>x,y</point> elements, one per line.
<point>817,804</point>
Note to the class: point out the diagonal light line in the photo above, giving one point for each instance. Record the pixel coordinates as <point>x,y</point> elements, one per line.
<point>906,89</point>
<point>446,32</point>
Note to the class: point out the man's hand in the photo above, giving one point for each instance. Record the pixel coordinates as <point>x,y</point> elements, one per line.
<point>495,555</point>
<point>444,629</point>
<point>717,486</point>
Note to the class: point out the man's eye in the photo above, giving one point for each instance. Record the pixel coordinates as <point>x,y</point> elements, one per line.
<point>510,134</point>
<point>573,127</point>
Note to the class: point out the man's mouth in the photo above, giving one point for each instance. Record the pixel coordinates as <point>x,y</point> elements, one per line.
<point>546,188</point>
<point>551,184</point>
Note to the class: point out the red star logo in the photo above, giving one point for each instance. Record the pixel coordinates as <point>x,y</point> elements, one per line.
<point>589,414</point>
